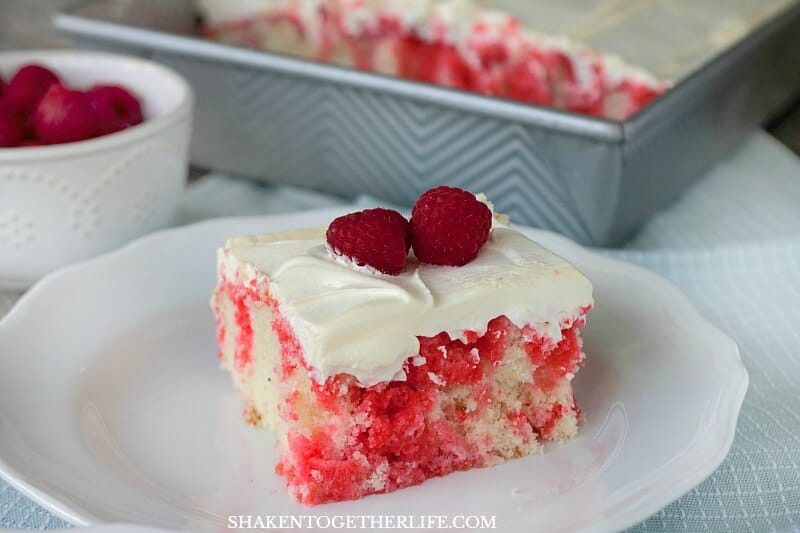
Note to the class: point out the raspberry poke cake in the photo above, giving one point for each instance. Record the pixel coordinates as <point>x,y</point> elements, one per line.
<point>382,352</point>
<point>454,43</point>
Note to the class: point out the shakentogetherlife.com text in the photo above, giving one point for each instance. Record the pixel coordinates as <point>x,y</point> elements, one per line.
<point>366,522</point>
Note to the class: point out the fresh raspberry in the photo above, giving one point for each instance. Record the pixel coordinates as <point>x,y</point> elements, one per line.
<point>449,226</point>
<point>116,108</point>
<point>10,129</point>
<point>27,87</point>
<point>375,237</point>
<point>64,115</point>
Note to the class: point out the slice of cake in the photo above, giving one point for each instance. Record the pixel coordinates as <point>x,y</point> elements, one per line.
<point>376,370</point>
<point>455,43</point>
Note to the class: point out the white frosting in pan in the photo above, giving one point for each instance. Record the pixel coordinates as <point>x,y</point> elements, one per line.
<point>427,18</point>
<point>669,38</point>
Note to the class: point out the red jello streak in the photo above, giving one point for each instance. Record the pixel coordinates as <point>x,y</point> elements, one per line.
<point>394,421</point>
<point>576,408</point>
<point>397,428</point>
<point>564,359</point>
<point>587,97</point>
<point>537,76</point>
<point>242,298</point>
<point>363,45</point>
<point>391,426</point>
<point>417,59</point>
<point>551,418</point>
<point>527,80</point>
<point>220,323</point>
<point>522,426</point>
<point>291,351</point>
<point>639,95</point>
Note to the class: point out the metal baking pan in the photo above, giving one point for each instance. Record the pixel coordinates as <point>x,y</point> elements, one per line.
<point>347,132</point>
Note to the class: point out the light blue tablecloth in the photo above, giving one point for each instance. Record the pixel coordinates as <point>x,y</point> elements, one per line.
<point>733,244</point>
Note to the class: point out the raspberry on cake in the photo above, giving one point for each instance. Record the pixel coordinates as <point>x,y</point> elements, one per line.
<point>377,238</point>
<point>372,382</point>
<point>455,43</point>
<point>449,226</point>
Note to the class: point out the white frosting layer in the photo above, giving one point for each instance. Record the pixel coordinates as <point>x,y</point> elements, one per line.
<point>669,38</point>
<point>352,321</point>
<point>453,20</point>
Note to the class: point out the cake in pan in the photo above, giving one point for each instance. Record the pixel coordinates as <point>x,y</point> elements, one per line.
<point>454,43</point>
<point>377,369</point>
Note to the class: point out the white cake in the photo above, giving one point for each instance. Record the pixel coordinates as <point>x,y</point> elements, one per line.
<point>373,382</point>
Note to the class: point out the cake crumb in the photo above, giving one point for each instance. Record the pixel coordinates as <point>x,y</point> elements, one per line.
<point>436,379</point>
<point>476,356</point>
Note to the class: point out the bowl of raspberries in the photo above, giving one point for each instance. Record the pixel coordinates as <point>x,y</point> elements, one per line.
<point>93,153</point>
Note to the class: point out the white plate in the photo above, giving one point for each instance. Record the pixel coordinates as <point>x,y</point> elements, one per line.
<point>113,408</point>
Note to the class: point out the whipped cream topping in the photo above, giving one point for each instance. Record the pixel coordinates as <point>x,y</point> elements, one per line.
<point>455,21</point>
<point>666,37</point>
<point>366,324</point>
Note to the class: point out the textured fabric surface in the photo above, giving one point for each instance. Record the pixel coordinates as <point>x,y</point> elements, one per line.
<point>732,243</point>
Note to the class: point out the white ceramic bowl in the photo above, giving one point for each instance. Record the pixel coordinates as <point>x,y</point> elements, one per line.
<point>64,203</point>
